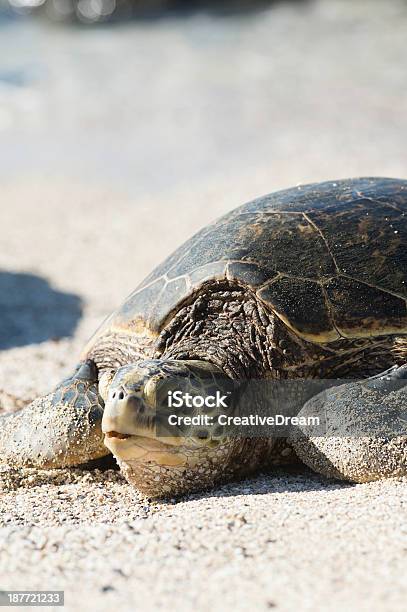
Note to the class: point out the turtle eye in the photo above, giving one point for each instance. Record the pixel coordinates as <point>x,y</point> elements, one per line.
<point>104,383</point>
<point>150,391</point>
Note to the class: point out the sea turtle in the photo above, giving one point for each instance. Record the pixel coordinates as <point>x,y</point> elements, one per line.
<point>306,284</point>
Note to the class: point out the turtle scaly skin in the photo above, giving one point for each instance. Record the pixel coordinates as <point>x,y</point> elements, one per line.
<point>60,429</point>
<point>306,283</point>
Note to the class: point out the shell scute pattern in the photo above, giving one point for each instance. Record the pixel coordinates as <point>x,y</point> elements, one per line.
<point>76,393</point>
<point>362,248</point>
<point>329,259</point>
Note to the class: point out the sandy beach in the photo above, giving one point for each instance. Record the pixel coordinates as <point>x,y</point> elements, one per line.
<point>99,184</point>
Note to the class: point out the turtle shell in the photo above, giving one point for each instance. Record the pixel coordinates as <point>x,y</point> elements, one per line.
<point>329,259</point>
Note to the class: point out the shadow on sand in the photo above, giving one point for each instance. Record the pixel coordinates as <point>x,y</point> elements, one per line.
<point>31,311</point>
<point>297,478</point>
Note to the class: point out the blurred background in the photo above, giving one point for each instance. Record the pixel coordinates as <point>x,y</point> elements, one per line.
<point>275,93</point>
<point>127,125</point>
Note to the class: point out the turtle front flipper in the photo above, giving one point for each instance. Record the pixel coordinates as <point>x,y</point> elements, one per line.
<point>361,435</point>
<point>60,429</point>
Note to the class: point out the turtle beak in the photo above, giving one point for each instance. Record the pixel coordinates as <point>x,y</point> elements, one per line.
<point>123,415</point>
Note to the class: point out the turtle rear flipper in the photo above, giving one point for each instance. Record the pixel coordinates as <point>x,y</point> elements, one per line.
<point>60,429</point>
<point>362,431</point>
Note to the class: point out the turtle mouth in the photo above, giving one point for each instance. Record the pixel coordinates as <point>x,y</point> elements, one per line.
<point>117,435</point>
<point>124,441</point>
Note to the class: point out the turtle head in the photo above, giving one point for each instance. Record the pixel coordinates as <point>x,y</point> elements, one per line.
<point>160,422</point>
